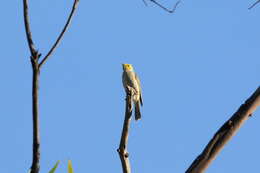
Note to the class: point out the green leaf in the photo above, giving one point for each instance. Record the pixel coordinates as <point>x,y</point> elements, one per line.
<point>55,166</point>
<point>70,169</point>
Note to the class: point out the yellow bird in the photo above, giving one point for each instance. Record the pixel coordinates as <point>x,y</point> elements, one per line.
<point>132,84</point>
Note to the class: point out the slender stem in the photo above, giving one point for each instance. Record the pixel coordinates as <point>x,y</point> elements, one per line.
<point>36,129</point>
<point>225,133</point>
<point>122,150</point>
<point>61,34</point>
<point>27,28</point>
<point>254,4</point>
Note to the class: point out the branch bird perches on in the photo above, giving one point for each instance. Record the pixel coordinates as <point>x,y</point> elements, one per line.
<point>36,65</point>
<point>225,133</point>
<point>122,150</point>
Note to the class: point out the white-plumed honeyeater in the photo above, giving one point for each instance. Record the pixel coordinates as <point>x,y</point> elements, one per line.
<point>132,84</point>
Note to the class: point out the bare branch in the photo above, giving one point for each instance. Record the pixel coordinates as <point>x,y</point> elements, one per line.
<point>61,34</point>
<point>36,126</point>
<point>164,8</point>
<point>253,5</point>
<point>122,150</point>
<point>35,167</point>
<point>27,28</point>
<point>225,133</point>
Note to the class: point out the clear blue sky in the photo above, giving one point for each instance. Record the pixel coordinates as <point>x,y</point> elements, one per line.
<point>196,67</point>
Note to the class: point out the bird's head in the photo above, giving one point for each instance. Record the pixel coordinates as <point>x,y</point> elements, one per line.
<point>127,67</point>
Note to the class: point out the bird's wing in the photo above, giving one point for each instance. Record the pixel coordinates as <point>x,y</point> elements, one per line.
<point>125,81</point>
<point>140,89</point>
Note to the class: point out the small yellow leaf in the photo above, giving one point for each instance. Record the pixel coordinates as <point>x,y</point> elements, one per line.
<point>70,169</point>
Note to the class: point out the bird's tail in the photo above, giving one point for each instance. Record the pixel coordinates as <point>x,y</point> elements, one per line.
<point>137,110</point>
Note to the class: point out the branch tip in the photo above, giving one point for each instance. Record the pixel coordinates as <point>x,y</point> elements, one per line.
<point>145,3</point>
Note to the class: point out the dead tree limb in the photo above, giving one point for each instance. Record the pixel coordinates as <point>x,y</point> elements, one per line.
<point>254,4</point>
<point>225,133</point>
<point>35,56</point>
<point>122,150</point>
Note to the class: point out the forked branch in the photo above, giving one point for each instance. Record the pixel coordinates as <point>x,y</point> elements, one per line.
<point>225,133</point>
<point>35,56</point>
<point>164,8</point>
<point>122,150</point>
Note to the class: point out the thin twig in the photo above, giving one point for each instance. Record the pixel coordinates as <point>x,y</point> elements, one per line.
<point>145,3</point>
<point>164,8</point>
<point>61,34</point>
<point>253,5</point>
<point>225,133</point>
<point>27,28</point>
<point>122,150</point>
